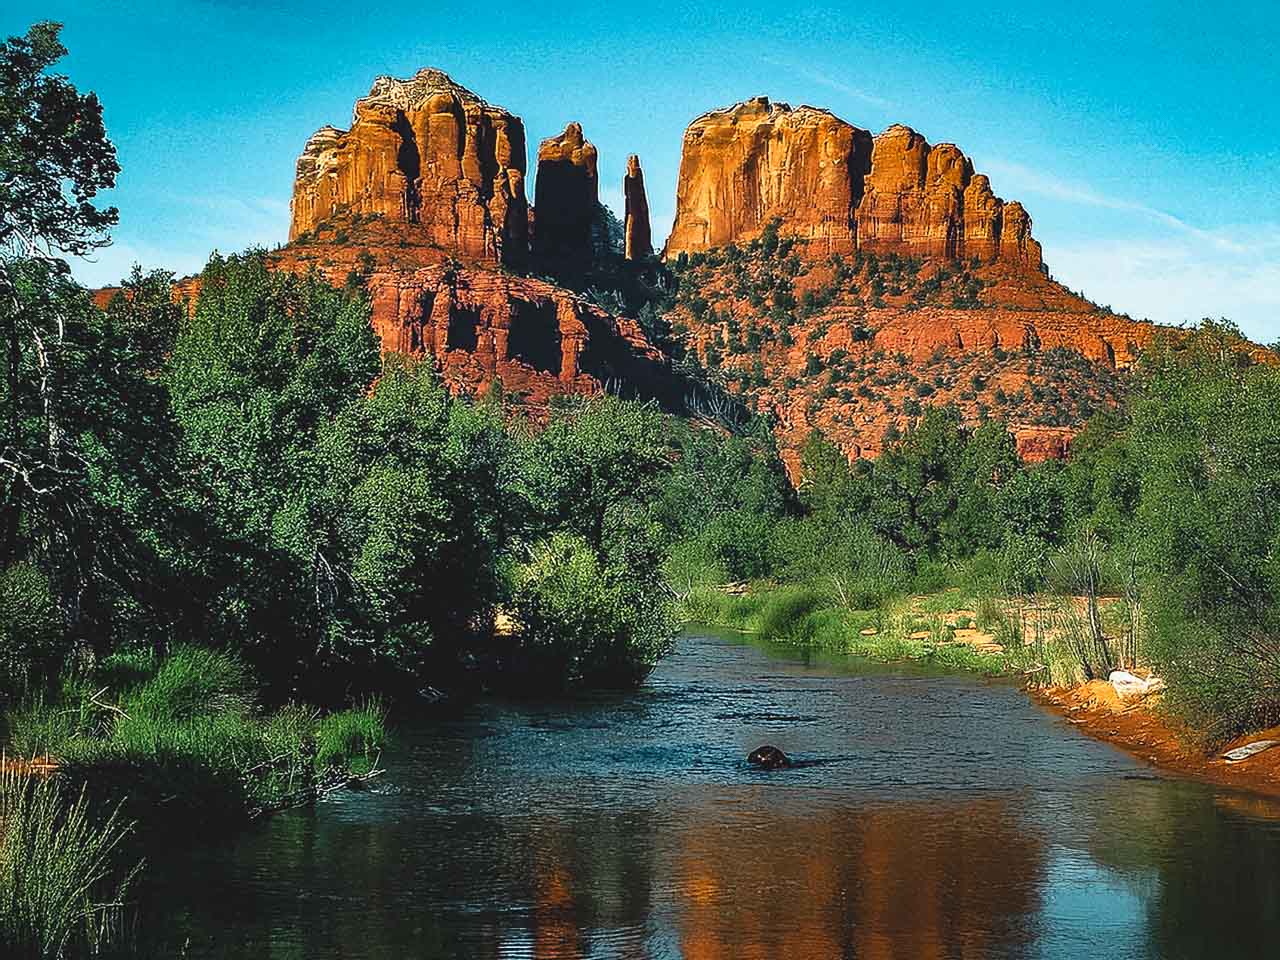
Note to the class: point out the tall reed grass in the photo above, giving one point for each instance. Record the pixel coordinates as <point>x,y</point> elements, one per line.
<point>62,889</point>
<point>183,737</point>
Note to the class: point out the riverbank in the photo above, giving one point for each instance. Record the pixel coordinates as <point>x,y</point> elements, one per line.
<point>1143,731</point>
<point>1029,638</point>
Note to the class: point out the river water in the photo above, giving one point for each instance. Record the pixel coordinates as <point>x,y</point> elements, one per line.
<point>935,816</point>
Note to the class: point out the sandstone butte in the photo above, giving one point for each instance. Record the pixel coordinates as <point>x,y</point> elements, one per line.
<point>566,198</point>
<point>837,188</point>
<point>425,196</point>
<point>427,152</point>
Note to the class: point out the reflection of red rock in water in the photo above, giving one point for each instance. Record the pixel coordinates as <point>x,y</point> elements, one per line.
<point>894,881</point>
<point>555,917</point>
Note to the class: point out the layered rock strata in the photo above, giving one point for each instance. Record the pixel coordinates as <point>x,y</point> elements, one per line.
<point>424,151</point>
<point>483,327</point>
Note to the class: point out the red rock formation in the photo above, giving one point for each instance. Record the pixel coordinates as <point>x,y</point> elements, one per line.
<point>537,339</point>
<point>423,151</point>
<point>637,242</point>
<point>1037,444</point>
<point>567,196</point>
<point>748,164</point>
<point>483,326</point>
<point>926,201</point>
<point>1027,352</point>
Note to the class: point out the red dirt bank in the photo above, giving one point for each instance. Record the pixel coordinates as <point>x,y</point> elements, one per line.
<point>1139,730</point>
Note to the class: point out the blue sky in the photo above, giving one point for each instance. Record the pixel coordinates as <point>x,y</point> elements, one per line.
<point>1143,137</point>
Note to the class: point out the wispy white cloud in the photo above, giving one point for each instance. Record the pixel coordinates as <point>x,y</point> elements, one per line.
<point>107,267</point>
<point>1176,280</point>
<point>1014,178</point>
<point>826,80</point>
<point>1153,263</point>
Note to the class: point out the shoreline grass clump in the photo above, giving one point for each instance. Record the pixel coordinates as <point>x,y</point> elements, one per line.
<point>182,736</point>
<point>63,884</point>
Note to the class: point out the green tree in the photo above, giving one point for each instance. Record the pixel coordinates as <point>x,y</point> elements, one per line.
<point>1207,439</point>
<point>54,158</point>
<point>258,373</point>
<point>914,482</point>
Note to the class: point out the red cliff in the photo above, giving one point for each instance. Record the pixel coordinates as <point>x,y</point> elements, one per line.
<point>746,165</point>
<point>426,152</point>
<point>836,190</point>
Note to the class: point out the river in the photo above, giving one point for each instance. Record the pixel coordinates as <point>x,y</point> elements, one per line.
<point>935,816</point>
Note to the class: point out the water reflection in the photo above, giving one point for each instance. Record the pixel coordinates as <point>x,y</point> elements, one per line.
<point>905,880</point>
<point>953,820</point>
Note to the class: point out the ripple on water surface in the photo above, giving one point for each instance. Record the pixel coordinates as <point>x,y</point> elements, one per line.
<point>930,816</point>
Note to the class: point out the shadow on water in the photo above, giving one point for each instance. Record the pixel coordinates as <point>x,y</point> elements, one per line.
<point>928,816</point>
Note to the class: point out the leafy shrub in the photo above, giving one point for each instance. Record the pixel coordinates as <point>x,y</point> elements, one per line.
<point>578,620</point>
<point>31,644</point>
<point>350,740</point>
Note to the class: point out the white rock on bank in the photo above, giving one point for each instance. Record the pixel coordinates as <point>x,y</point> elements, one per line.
<point>1249,750</point>
<point>1131,687</point>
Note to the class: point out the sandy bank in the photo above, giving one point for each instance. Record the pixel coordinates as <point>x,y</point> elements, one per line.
<point>1141,731</point>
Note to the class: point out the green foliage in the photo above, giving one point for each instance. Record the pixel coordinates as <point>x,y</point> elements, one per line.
<point>59,156</point>
<point>857,568</point>
<point>62,889</point>
<point>350,740</point>
<point>1206,441</point>
<point>788,614</point>
<point>583,619</point>
<point>182,736</point>
<point>30,634</point>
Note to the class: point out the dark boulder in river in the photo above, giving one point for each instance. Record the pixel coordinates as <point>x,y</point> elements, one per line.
<point>768,758</point>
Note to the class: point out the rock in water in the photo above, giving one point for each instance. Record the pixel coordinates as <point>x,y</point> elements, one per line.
<point>566,196</point>
<point>768,758</point>
<point>422,151</point>
<point>638,241</point>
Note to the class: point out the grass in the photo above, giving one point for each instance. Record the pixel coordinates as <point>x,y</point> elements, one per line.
<point>62,892</point>
<point>808,615</point>
<point>182,737</point>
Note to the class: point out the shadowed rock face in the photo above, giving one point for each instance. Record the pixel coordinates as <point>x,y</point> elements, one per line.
<point>423,151</point>
<point>746,165</point>
<point>836,189</point>
<point>566,197</point>
<point>638,242</point>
